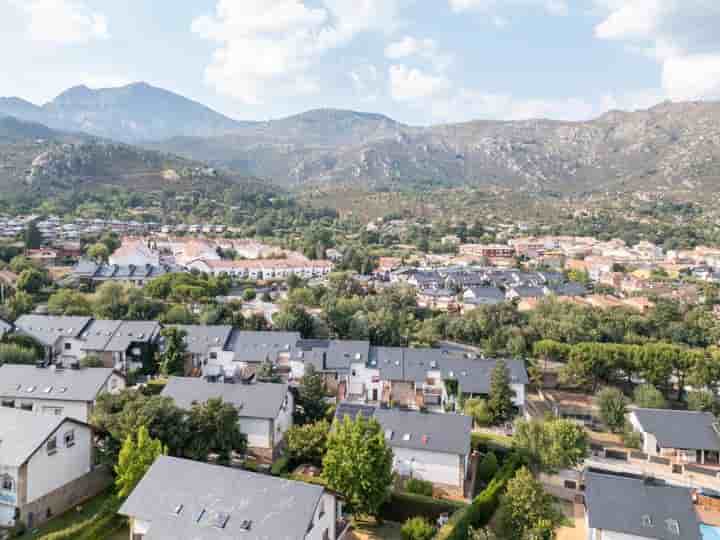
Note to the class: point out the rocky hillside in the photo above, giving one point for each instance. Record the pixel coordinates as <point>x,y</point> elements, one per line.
<point>671,146</point>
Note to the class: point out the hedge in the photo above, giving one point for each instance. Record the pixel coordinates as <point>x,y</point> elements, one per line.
<point>402,506</point>
<point>481,510</point>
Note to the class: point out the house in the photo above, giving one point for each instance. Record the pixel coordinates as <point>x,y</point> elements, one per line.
<point>265,409</point>
<point>45,466</point>
<point>92,273</point>
<point>203,342</point>
<point>43,257</point>
<point>339,362</point>
<point>440,299</point>
<point>681,436</point>
<point>134,252</point>
<point>121,345</point>
<point>431,447</point>
<point>55,334</point>
<point>525,292</point>
<point>263,268</point>
<point>482,296</point>
<point>626,508</point>
<point>52,390</point>
<point>179,499</point>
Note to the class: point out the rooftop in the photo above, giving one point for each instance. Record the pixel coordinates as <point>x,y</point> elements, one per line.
<point>680,429</point>
<point>48,329</point>
<point>18,381</point>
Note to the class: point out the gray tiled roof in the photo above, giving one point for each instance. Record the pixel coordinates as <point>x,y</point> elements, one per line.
<point>22,433</point>
<point>259,346</point>
<point>488,293</point>
<point>98,334</point>
<point>279,509</point>
<point>616,503</point>
<point>47,329</point>
<point>257,400</point>
<point>680,429</point>
<point>64,385</point>
<point>447,433</point>
<point>200,337</point>
<point>133,332</point>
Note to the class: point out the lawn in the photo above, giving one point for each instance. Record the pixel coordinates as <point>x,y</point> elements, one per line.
<point>369,530</point>
<point>79,513</point>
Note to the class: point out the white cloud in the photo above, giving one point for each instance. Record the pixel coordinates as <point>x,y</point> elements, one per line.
<point>681,35</point>
<point>411,84</point>
<point>269,47</point>
<point>553,7</point>
<point>62,21</point>
<point>426,49</point>
<point>366,80</point>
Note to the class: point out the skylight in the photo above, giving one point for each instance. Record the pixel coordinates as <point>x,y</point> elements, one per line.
<point>406,437</point>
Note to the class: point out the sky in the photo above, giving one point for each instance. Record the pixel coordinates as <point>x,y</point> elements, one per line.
<point>418,61</point>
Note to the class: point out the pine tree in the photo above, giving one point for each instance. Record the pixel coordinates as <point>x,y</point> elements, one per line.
<point>33,237</point>
<point>136,457</point>
<point>500,402</point>
<point>172,359</point>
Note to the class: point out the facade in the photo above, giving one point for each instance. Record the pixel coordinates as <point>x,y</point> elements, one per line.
<point>40,457</point>
<point>187,500</point>
<point>56,391</point>
<point>265,409</point>
<point>136,253</point>
<point>263,268</point>
<point>92,273</point>
<point>624,508</point>
<point>52,332</point>
<point>681,436</point>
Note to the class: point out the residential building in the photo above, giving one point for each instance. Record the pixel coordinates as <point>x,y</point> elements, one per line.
<point>431,447</point>
<point>179,499</point>
<point>92,273</point>
<point>134,252</point>
<point>53,390</point>
<point>680,436</point>
<point>482,296</point>
<point>45,466</point>
<point>203,343</point>
<point>56,334</point>
<point>263,268</point>
<point>626,508</point>
<point>265,409</point>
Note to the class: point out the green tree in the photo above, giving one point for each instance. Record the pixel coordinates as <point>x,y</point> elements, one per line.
<point>613,407</point>
<point>358,464</point>
<point>249,295</point>
<point>31,280</point>
<point>172,358</point>
<point>98,252</point>
<point>11,353</point>
<point>33,237</point>
<point>91,361</point>
<point>500,402</point>
<point>307,443</point>
<point>647,396</point>
<point>19,304</point>
<point>293,318</point>
<point>551,445</point>
<point>701,400</point>
<point>417,528</point>
<point>138,453</point>
<point>20,263</point>
<point>214,427</point>
<point>110,301</point>
<point>478,409</point>
<point>311,405</point>
<point>526,512</point>
<point>69,302</point>
<point>266,372</point>
<point>488,467</point>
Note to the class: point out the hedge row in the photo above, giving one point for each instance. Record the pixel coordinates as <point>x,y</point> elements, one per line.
<point>403,505</point>
<point>479,513</point>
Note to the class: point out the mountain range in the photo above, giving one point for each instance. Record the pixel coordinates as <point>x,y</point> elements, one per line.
<point>672,146</point>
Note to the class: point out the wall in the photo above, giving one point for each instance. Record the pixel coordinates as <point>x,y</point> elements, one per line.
<point>46,473</point>
<point>8,499</point>
<point>519,399</point>
<point>284,420</point>
<point>79,410</point>
<point>435,467</point>
<point>327,521</point>
<point>257,431</point>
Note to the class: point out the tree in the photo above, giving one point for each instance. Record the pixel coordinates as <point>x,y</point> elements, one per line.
<point>69,302</point>
<point>551,445</point>
<point>91,361</point>
<point>98,252</point>
<point>20,263</point>
<point>249,295</point>
<point>293,318</point>
<point>479,410</point>
<point>701,400</point>
<point>172,359</point>
<point>11,353</point>
<point>31,280</point>
<point>307,443</point>
<point>417,528</point>
<point>136,456</point>
<point>19,304</point>
<point>311,405</point>
<point>215,428</point>
<point>500,403</point>
<point>33,236</point>
<point>358,464</point>
<point>647,396</point>
<point>488,467</point>
<point>526,512</point>
<point>613,407</point>
<point>266,372</point>
<point>111,301</point>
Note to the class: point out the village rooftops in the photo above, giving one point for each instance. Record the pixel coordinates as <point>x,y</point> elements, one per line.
<point>189,500</point>
<point>48,329</point>
<point>30,382</point>
<point>131,332</point>
<point>334,355</point>
<point>200,337</point>
<point>256,400</point>
<point>261,346</point>
<point>640,507</point>
<point>680,429</point>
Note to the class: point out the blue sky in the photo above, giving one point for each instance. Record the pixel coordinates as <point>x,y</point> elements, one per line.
<point>419,61</point>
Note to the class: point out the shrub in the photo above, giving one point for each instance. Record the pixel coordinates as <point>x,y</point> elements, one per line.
<point>649,397</point>
<point>404,505</point>
<point>15,354</point>
<point>488,467</point>
<point>417,528</point>
<point>91,361</point>
<point>631,438</point>
<point>612,405</point>
<point>280,466</point>
<point>419,487</point>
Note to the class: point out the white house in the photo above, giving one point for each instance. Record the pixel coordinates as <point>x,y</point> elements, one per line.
<point>134,253</point>
<point>624,508</point>
<point>432,447</point>
<point>180,499</point>
<point>44,465</point>
<point>681,436</point>
<point>265,409</point>
<point>52,390</point>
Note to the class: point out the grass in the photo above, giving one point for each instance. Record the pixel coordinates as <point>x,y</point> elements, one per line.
<point>63,521</point>
<point>367,529</point>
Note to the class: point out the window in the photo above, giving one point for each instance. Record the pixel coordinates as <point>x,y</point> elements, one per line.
<point>68,346</point>
<point>70,438</point>
<point>6,483</point>
<point>673,527</point>
<point>8,403</point>
<point>26,406</point>
<point>213,356</point>
<point>51,446</point>
<point>646,521</point>
<point>57,411</point>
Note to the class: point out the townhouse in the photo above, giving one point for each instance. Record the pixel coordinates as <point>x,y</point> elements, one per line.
<point>179,499</point>
<point>46,465</point>
<point>134,252</point>
<point>263,268</point>
<point>56,391</point>
<point>93,273</point>
<point>265,410</point>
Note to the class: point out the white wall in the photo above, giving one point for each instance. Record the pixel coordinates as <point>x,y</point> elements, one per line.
<point>614,535</point>
<point>284,420</point>
<point>327,521</point>
<point>46,473</point>
<point>79,410</point>
<point>434,467</point>
<point>519,399</point>
<point>257,431</point>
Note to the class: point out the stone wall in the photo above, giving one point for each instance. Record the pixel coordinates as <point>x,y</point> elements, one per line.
<point>64,498</point>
